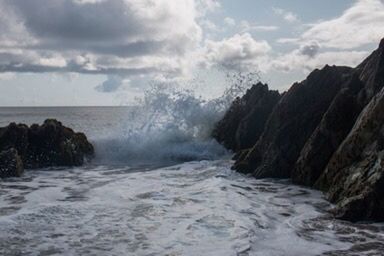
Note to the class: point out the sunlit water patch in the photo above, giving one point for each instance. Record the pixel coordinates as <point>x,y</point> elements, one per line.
<point>197,208</point>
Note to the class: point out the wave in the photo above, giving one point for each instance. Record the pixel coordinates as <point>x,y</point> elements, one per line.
<point>170,124</point>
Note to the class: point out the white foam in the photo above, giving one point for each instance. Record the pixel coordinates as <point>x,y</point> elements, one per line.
<point>197,208</point>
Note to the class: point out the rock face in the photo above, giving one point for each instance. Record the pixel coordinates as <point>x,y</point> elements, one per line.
<point>324,141</point>
<point>248,113</point>
<point>328,132</point>
<point>10,164</point>
<point>50,144</point>
<point>292,122</point>
<point>354,177</point>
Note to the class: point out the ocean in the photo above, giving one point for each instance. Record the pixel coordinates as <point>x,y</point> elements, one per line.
<point>160,186</point>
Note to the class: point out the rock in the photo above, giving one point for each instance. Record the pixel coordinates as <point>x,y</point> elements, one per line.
<point>354,177</point>
<point>367,80</point>
<point>332,130</point>
<point>292,122</point>
<point>328,132</point>
<point>245,120</point>
<point>50,144</point>
<point>10,164</point>
<point>259,105</point>
<point>371,73</point>
<point>225,130</point>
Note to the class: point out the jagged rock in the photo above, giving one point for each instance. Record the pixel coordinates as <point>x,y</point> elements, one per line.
<point>292,122</point>
<point>328,132</point>
<point>354,177</point>
<point>334,127</point>
<point>50,144</point>
<point>371,72</point>
<point>246,114</point>
<point>259,105</point>
<point>10,164</point>
<point>368,79</point>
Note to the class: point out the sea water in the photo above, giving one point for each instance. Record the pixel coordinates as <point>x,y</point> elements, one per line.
<point>160,186</point>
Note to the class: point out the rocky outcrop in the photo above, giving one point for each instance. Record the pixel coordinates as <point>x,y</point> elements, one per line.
<point>354,177</point>
<point>333,128</point>
<point>10,164</point>
<point>248,113</point>
<point>49,144</point>
<point>328,132</point>
<point>292,122</point>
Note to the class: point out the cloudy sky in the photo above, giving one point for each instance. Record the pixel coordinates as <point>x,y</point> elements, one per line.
<point>106,52</point>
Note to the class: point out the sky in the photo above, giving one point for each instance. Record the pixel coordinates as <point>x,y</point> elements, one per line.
<point>107,52</point>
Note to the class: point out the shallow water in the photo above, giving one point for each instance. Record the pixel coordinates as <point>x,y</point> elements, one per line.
<point>196,208</point>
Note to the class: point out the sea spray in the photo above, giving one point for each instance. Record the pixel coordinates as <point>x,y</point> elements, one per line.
<point>171,124</point>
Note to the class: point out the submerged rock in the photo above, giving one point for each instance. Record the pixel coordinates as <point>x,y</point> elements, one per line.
<point>10,164</point>
<point>49,144</point>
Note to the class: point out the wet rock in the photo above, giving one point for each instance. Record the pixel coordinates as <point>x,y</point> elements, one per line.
<point>292,122</point>
<point>368,79</point>
<point>332,130</point>
<point>10,164</point>
<point>354,177</point>
<point>245,120</point>
<point>328,132</point>
<point>49,144</point>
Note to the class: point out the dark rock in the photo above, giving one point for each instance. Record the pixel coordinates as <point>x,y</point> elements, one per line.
<point>328,132</point>
<point>368,79</point>
<point>292,122</point>
<point>371,72</point>
<point>244,121</point>
<point>354,177</point>
<point>50,144</point>
<point>259,105</point>
<point>332,130</point>
<point>225,130</point>
<point>10,164</point>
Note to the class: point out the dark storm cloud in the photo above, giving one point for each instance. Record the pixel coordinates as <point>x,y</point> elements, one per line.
<point>311,49</point>
<point>119,36</point>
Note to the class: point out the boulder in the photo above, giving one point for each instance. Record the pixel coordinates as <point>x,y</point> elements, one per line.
<point>10,164</point>
<point>49,144</point>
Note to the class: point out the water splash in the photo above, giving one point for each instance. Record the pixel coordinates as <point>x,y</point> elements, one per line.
<point>171,124</point>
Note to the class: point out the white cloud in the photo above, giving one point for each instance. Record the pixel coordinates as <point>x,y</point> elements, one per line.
<point>286,15</point>
<point>246,26</point>
<point>229,21</point>
<point>298,60</point>
<point>240,52</point>
<point>361,24</point>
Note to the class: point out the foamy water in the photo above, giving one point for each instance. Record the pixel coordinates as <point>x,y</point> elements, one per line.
<point>196,208</point>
